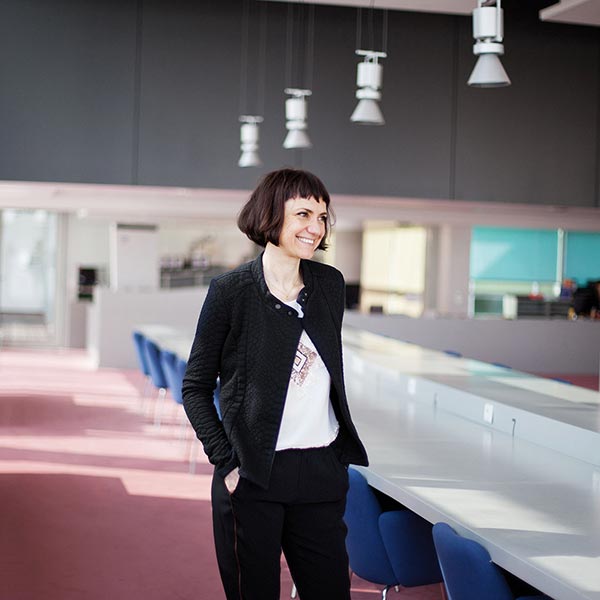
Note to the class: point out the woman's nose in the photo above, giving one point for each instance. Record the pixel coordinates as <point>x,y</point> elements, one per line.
<point>315,227</point>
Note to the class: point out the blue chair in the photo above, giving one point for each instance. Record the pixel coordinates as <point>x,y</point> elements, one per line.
<point>168,362</point>
<point>152,353</point>
<point>468,570</point>
<point>502,365</point>
<point>393,548</point>
<point>140,352</point>
<point>561,380</point>
<point>182,366</point>
<point>174,369</point>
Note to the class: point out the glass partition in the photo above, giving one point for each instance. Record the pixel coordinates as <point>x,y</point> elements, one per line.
<point>28,242</point>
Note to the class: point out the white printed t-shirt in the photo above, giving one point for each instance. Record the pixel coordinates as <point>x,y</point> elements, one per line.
<point>308,418</point>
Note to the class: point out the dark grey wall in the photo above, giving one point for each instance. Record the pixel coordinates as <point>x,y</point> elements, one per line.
<point>147,92</point>
<point>67,74</point>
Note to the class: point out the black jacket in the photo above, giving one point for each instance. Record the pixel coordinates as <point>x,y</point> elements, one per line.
<point>248,338</point>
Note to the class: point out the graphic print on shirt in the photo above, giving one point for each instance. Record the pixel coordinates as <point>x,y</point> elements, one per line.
<point>305,357</point>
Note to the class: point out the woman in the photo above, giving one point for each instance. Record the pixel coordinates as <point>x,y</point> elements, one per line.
<point>271,331</point>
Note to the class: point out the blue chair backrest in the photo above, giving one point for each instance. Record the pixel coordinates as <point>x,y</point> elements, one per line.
<point>182,366</point>
<point>409,545</point>
<point>153,358</point>
<point>168,362</point>
<point>468,570</point>
<point>366,552</point>
<point>216,397</point>
<point>140,351</point>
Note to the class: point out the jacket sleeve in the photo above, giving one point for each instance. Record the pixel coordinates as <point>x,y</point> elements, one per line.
<point>201,378</point>
<point>342,299</point>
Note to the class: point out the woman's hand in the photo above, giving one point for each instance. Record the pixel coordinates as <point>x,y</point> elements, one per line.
<point>232,479</point>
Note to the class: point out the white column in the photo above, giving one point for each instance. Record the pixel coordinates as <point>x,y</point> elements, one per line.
<point>453,266</point>
<point>348,254</point>
<point>134,262</point>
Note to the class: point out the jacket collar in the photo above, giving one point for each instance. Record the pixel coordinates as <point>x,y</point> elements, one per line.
<point>256,267</point>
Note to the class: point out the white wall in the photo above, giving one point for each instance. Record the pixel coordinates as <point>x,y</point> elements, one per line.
<point>87,246</point>
<point>223,242</point>
<point>113,316</point>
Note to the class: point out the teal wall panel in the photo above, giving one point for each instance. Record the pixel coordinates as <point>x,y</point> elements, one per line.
<point>582,256</point>
<point>513,254</point>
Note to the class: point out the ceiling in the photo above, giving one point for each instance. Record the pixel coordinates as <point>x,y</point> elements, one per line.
<point>580,12</point>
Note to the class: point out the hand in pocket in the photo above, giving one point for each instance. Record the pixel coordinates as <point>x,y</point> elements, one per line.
<point>232,479</point>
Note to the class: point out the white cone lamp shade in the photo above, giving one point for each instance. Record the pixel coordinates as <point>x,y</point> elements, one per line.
<point>488,72</point>
<point>249,136</point>
<point>367,112</point>
<point>369,77</point>
<point>296,138</point>
<point>488,31</point>
<point>295,114</point>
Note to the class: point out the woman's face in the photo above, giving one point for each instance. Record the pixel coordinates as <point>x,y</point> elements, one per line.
<point>303,227</point>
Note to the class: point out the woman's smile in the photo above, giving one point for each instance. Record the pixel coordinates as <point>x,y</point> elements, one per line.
<point>303,227</point>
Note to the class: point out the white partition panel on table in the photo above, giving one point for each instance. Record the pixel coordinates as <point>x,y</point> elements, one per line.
<point>536,345</point>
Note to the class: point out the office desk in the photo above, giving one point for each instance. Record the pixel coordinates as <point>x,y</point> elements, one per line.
<point>535,508</point>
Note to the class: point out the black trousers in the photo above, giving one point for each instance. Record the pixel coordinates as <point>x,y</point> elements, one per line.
<point>300,513</point>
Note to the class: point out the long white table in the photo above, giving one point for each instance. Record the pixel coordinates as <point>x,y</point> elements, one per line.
<point>534,504</point>
<point>522,477</point>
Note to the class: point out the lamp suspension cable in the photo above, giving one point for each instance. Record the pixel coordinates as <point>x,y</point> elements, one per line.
<point>249,132</point>
<point>358,27</point>
<point>371,27</point>
<point>289,45</point>
<point>384,31</point>
<point>309,58</point>
<point>262,60</point>
<point>298,74</point>
<point>243,107</point>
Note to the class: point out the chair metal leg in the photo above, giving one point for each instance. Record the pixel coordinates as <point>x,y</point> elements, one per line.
<point>385,591</point>
<point>294,592</point>
<point>158,407</point>
<point>145,397</point>
<point>193,455</point>
<point>182,425</point>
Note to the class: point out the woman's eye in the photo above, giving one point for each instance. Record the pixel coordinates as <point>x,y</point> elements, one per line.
<point>302,214</point>
<point>323,219</point>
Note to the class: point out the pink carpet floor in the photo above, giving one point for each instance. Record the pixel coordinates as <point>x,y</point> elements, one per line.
<point>95,503</point>
<point>586,381</point>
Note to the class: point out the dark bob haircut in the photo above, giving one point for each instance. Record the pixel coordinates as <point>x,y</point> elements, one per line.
<point>261,218</point>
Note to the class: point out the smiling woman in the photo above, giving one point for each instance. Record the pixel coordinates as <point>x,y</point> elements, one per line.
<point>271,331</point>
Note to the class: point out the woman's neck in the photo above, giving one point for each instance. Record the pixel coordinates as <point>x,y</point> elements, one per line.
<point>282,273</point>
